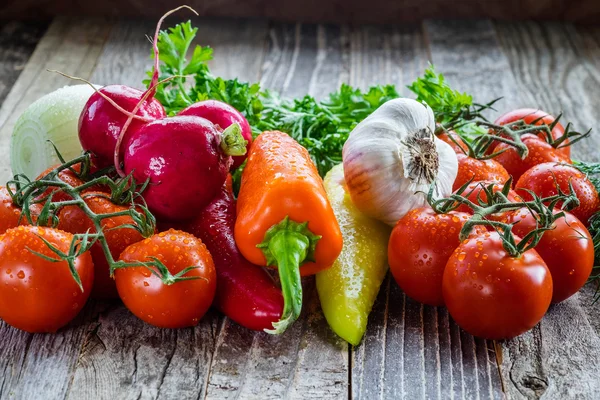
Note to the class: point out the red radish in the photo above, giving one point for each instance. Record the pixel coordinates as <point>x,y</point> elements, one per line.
<point>186,158</point>
<point>115,112</point>
<point>224,115</point>
<point>100,123</point>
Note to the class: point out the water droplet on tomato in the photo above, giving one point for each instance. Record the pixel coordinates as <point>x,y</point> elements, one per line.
<point>571,272</point>
<point>8,271</point>
<point>21,275</point>
<point>146,283</point>
<point>461,256</point>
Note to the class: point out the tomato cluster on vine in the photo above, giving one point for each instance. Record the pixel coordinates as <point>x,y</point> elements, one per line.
<point>513,237</point>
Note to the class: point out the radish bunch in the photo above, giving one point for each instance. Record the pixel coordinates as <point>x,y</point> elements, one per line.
<point>186,158</point>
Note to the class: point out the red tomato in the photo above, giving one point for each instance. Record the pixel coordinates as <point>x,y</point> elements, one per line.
<point>177,305</point>
<point>544,178</point>
<point>419,248</point>
<point>73,219</point>
<point>9,213</point>
<point>474,192</point>
<point>458,145</point>
<point>72,179</point>
<point>528,115</point>
<point>493,295</point>
<point>567,249</point>
<point>37,295</point>
<point>478,170</point>
<point>66,176</point>
<point>540,152</point>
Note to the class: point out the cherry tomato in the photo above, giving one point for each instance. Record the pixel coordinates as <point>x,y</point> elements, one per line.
<point>491,294</point>
<point>540,152</point>
<point>177,305</point>
<point>529,115</point>
<point>474,192</point>
<point>478,170</point>
<point>73,219</point>
<point>72,179</point>
<point>567,249</point>
<point>543,179</point>
<point>9,213</point>
<point>37,295</point>
<point>66,176</point>
<point>419,248</point>
<point>458,145</point>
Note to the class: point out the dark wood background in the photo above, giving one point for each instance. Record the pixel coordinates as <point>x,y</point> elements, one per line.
<point>340,11</point>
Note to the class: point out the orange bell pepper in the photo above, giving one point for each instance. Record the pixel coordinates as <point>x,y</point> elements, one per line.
<point>284,217</point>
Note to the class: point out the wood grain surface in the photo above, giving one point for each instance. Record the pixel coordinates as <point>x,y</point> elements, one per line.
<point>410,351</point>
<point>17,41</point>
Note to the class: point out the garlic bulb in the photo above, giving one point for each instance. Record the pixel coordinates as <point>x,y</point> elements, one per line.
<point>392,158</point>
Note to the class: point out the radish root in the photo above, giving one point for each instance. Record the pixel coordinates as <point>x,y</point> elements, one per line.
<point>130,117</point>
<point>154,81</point>
<point>105,97</point>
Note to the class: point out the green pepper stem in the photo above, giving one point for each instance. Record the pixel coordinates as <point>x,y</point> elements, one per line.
<point>290,250</point>
<point>288,245</point>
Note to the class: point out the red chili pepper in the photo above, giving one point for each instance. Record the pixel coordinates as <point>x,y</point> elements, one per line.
<point>246,293</point>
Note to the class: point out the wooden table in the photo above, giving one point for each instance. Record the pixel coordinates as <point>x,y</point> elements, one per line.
<point>410,351</point>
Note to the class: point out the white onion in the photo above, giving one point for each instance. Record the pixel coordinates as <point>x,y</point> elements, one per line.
<point>52,118</point>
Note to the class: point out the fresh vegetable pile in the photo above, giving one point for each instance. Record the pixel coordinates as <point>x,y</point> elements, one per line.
<point>183,193</point>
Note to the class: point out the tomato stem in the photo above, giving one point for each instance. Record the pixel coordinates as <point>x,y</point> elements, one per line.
<point>25,192</point>
<point>497,202</point>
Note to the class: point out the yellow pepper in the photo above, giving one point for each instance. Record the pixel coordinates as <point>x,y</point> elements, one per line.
<point>349,288</point>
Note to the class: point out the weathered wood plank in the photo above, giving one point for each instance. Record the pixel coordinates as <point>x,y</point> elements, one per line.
<point>411,351</point>
<point>123,357</point>
<point>551,70</point>
<point>17,42</point>
<point>238,48</point>
<point>71,46</point>
<point>527,66</point>
<point>550,67</point>
<point>308,361</point>
<point>33,364</point>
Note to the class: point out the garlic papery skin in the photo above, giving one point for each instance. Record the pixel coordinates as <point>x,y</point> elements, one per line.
<point>392,158</point>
